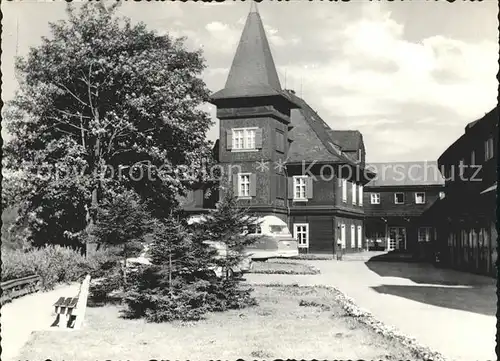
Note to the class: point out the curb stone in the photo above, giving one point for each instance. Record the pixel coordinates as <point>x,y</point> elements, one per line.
<point>364,316</point>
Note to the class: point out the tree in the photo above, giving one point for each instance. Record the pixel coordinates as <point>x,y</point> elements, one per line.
<point>122,222</point>
<point>230,224</point>
<point>178,251</point>
<point>104,104</point>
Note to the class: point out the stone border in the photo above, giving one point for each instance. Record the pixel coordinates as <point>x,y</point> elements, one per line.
<point>364,316</point>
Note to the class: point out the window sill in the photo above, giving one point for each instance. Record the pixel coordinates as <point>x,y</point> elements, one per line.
<point>244,198</point>
<point>300,200</point>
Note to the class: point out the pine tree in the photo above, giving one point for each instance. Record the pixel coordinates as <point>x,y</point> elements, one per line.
<point>230,224</point>
<point>122,222</point>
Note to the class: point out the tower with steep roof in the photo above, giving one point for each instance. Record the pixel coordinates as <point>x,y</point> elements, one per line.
<point>254,115</point>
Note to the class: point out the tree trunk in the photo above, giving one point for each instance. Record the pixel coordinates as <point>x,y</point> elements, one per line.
<point>94,200</point>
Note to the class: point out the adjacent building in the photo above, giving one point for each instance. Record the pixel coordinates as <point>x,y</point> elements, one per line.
<point>395,202</point>
<point>466,217</point>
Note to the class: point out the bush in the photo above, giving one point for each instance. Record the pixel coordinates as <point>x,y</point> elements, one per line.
<point>54,264</point>
<point>190,298</point>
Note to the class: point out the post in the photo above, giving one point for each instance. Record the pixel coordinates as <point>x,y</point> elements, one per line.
<point>81,306</point>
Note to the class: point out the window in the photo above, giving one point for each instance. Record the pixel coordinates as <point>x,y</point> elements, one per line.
<point>375,198</point>
<point>278,229</point>
<point>360,236</point>
<point>461,167</point>
<point>244,185</point>
<point>354,193</point>
<point>344,190</point>
<point>360,196</point>
<point>488,149</point>
<point>301,234</point>
<point>420,198</point>
<point>299,187</point>
<point>399,198</point>
<point>244,138</point>
<point>424,234</point>
<point>254,229</point>
<point>353,236</point>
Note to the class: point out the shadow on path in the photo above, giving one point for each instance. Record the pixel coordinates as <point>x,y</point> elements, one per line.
<point>428,274</point>
<point>480,300</point>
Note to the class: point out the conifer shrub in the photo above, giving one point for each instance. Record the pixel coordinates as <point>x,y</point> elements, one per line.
<point>182,284</point>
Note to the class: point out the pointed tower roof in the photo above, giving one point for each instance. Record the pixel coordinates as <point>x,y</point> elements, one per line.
<point>252,72</point>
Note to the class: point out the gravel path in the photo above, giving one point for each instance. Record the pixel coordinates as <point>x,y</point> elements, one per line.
<point>449,311</point>
<point>27,314</point>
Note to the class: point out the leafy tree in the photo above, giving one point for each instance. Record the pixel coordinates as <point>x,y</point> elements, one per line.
<point>124,222</point>
<point>103,104</point>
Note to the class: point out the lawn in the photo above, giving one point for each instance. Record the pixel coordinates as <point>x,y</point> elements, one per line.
<point>289,322</point>
<point>283,267</point>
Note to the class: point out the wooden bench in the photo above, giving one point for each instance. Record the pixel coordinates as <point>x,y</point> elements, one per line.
<point>70,311</point>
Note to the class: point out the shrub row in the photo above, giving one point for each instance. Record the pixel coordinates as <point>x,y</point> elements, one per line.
<point>54,264</point>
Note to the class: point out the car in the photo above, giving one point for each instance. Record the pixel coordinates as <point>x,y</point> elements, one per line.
<point>272,240</point>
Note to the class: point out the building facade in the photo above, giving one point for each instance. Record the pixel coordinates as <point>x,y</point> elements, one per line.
<point>281,158</point>
<point>395,204</point>
<point>466,217</point>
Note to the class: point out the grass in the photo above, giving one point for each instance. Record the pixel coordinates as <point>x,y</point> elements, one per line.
<point>283,267</point>
<point>290,322</point>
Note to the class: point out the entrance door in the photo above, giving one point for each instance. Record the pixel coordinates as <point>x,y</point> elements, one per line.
<point>397,238</point>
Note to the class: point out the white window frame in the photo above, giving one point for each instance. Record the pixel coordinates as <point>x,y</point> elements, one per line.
<point>343,185</point>
<point>416,198</point>
<point>354,193</point>
<point>374,198</point>
<point>247,141</point>
<point>396,198</point>
<point>353,236</point>
<point>304,231</point>
<point>360,195</point>
<point>300,184</point>
<point>461,167</point>
<point>428,233</point>
<point>241,193</point>
<point>342,235</point>
<point>360,237</point>
<point>488,149</point>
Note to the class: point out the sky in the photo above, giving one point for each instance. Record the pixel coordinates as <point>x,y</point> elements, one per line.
<point>408,75</point>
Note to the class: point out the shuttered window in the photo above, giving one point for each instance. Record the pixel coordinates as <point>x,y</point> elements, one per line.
<point>240,139</point>
<point>245,185</point>
<point>301,188</point>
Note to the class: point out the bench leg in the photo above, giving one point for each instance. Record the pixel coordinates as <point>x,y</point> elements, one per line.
<point>63,320</point>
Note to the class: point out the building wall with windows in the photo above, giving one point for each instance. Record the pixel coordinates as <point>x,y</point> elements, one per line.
<point>395,203</point>
<point>466,217</point>
<point>269,138</point>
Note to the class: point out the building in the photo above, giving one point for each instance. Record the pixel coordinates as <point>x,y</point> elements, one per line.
<point>466,217</point>
<point>281,158</point>
<point>395,203</point>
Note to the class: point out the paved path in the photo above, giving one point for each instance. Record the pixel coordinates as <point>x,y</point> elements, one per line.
<point>27,314</point>
<point>449,311</point>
